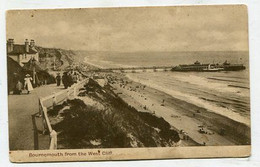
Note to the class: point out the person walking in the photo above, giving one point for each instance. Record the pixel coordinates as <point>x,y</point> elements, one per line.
<point>70,79</point>
<point>27,83</point>
<point>18,88</point>
<point>58,79</point>
<point>75,77</point>
<point>65,80</point>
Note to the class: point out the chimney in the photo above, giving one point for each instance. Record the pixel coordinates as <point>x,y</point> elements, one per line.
<point>26,43</point>
<point>10,45</point>
<point>32,43</point>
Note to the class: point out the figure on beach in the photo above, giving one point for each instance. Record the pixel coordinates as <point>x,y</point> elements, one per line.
<point>58,79</point>
<point>27,83</point>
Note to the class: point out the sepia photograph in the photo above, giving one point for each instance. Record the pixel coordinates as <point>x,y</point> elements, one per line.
<point>128,83</point>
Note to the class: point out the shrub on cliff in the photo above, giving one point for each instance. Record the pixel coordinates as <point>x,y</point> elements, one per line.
<point>117,126</point>
<point>83,124</point>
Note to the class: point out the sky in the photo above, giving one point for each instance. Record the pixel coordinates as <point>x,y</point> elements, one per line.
<point>155,29</point>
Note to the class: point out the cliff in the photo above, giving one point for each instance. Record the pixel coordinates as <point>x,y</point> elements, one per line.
<point>54,57</point>
<point>101,119</point>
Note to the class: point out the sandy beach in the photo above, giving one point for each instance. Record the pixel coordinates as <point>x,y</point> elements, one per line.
<point>196,124</point>
<point>202,126</point>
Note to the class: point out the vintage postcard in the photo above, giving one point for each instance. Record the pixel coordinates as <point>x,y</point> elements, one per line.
<point>128,83</point>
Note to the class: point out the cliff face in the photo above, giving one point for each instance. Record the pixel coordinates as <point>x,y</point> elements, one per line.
<point>52,58</point>
<point>98,118</point>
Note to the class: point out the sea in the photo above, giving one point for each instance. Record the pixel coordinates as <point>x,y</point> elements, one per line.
<point>225,92</point>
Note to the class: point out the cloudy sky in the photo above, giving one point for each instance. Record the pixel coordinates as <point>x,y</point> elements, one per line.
<point>201,28</point>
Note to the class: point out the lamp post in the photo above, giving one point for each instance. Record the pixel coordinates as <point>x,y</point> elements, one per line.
<point>33,68</point>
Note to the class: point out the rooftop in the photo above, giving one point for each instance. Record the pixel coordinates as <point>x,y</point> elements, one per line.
<point>20,49</point>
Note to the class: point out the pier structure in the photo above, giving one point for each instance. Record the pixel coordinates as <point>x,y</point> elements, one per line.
<point>134,69</point>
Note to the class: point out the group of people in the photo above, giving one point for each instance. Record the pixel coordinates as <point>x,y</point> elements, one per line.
<point>26,86</point>
<point>68,78</point>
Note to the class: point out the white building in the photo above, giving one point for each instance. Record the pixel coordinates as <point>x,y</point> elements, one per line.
<point>22,53</point>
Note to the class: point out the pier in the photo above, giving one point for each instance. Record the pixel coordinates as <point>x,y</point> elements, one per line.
<point>135,69</point>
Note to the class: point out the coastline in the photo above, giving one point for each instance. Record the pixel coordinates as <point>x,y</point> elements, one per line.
<point>91,64</point>
<point>106,64</point>
<point>184,116</point>
<point>194,100</point>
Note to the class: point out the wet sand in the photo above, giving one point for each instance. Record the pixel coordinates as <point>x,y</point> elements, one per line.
<point>185,117</point>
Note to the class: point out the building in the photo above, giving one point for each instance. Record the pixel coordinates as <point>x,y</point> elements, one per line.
<point>22,53</point>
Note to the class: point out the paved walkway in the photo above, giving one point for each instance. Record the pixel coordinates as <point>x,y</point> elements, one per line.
<point>20,111</point>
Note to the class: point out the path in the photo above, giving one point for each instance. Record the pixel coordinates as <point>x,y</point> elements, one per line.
<point>20,111</point>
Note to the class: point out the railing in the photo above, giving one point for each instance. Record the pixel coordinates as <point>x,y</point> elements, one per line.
<point>49,102</point>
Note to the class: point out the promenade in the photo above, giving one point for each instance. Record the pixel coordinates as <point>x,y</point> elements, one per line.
<point>21,108</point>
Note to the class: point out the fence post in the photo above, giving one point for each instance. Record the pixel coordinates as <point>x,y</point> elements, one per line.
<point>54,101</point>
<point>44,123</point>
<point>53,144</point>
<point>40,108</point>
